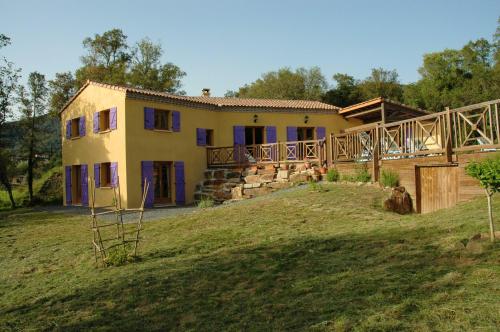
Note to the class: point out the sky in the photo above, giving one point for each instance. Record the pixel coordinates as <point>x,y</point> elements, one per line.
<point>224,44</point>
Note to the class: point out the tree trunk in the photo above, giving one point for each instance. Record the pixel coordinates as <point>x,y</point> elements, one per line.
<point>490,216</point>
<point>30,177</point>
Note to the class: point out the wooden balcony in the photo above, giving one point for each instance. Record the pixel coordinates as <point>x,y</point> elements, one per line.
<point>281,152</point>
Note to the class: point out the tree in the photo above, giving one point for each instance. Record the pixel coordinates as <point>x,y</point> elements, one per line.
<point>381,83</point>
<point>148,72</point>
<point>9,76</point>
<point>61,88</point>
<point>345,92</point>
<point>33,101</point>
<point>487,172</point>
<point>287,84</point>
<point>107,59</point>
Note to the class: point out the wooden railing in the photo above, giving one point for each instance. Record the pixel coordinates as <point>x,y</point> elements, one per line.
<point>281,152</point>
<point>470,128</point>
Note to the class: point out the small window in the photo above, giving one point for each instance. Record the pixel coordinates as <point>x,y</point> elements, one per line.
<point>104,120</point>
<point>105,174</point>
<point>161,120</point>
<point>75,128</point>
<point>209,137</point>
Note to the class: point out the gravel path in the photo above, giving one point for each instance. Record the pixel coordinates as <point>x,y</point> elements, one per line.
<point>159,213</point>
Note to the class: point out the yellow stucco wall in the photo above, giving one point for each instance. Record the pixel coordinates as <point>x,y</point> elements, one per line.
<point>131,143</point>
<point>96,148</point>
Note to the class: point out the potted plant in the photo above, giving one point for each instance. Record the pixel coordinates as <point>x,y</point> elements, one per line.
<point>323,170</point>
<point>284,166</point>
<point>307,164</point>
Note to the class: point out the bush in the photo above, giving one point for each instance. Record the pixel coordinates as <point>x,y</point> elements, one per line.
<point>389,178</point>
<point>362,174</point>
<point>118,255</point>
<point>333,175</point>
<point>316,187</point>
<point>206,203</point>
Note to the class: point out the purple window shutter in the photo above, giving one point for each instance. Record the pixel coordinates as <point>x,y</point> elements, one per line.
<point>68,185</point>
<point>291,136</point>
<point>85,185</point>
<point>271,134</point>
<point>180,183</point>
<point>239,143</point>
<point>81,124</point>
<point>320,132</point>
<point>149,118</point>
<point>96,122</point>
<point>112,118</point>
<point>201,136</point>
<point>114,174</point>
<point>147,173</point>
<point>176,121</point>
<point>97,175</point>
<point>68,129</point>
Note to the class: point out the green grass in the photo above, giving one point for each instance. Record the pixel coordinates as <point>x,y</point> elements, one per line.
<point>301,260</point>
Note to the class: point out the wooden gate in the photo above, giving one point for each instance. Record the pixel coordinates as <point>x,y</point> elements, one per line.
<point>436,186</point>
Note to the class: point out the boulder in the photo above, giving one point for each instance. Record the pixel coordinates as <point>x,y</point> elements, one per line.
<point>266,178</point>
<point>283,175</point>
<point>399,202</point>
<point>256,191</point>
<point>237,193</point>
<point>299,177</point>
<point>252,179</point>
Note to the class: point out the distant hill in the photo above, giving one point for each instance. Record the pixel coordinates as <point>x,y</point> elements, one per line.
<point>49,141</point>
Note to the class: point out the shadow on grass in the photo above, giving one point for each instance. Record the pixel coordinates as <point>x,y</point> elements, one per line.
<point>379,281</point>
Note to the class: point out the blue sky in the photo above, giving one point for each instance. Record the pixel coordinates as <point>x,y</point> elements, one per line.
<point>225,44</point>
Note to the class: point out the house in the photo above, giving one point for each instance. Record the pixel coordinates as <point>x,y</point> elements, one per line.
<point>115,134</point>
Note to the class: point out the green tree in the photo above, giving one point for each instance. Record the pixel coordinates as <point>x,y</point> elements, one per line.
<point>9,76</point>
<point>287,84</point>
<point>487,172</point>
<point>33,101</point>
<point>107,58</point>
<point>381,83</point>
<point>148,72</point>
<point>345,92</point>
<point>61,89</point>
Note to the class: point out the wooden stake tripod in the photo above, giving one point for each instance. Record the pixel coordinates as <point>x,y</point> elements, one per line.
<point>103,245</point>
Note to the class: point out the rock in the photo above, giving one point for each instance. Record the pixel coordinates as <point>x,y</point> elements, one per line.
<point>257,191</point>
<point>399,202</point>
<point>236,193</point>
<point>299,177</point>
<point>234,180</point>
<point>219,174</point>
<point>283,175</point>
<point>475,237</point>
<point>248,185</point>
<point>222,196</point>
<point>256,185</point>
<point>233,175</point>
<point>279,185</point>
<point>252,179</point>
<point>266,178</point>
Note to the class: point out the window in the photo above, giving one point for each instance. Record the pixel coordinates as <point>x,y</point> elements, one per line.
<point>161,119</point>
<point>210,137</point>
<point>104,120</point>
<point>105,175</point>
<point>305,133</point>
<point>75,128</point>
<point>254,135</point>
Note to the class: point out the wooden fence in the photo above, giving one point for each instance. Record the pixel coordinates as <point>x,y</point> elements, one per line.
<point>281,152</point>
<point>470,128</point>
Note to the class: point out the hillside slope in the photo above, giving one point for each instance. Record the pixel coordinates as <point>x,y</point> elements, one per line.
<point>293,261</point>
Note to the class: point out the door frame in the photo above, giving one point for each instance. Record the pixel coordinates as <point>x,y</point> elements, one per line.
<point>163,200</point>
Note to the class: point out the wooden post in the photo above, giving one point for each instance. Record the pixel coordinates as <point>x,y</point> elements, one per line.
<point>375,161</point>
<point>447,138</point>
<point>382,112</point>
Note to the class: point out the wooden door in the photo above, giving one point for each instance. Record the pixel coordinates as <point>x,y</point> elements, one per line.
<point>77,184</point>
<point>437,187</point>
<point>162,182</point>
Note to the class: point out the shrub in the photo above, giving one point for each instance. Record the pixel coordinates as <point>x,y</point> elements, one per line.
<point>317,187</point>
<point>389,178</point>
<point>362,174</point>
<point>118,255</point>
<point>206,203</point>
<point>333,175</point>
<point>348,178</point>
<point>487,172</point>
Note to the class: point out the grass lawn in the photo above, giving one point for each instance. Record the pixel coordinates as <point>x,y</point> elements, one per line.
<point>296,261</point>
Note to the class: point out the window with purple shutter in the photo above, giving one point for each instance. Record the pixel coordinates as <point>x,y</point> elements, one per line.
<point>239,143</point>
<point>81,124</point>
<point>114,174</point>
<point>68,129</point>
<point>291,136</point>
<point>85,185</point>
<point>201,136</point>
<point>180,183</point>
<point>68,185</point>
<point>112,118</point>
<point>176,121</point>
<point>149,118</point>
<point>97,175</point>
<point>320,132</point>
<point>147,174</point>
<point>96,122</point>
